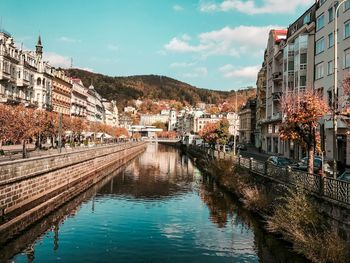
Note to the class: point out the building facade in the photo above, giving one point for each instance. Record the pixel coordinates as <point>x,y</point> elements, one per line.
<point>270,141</point>
<point>247,121</point>
<point>298,65</point>
<point>79,99</point>
<point>61,92</point>
<point>324,70</point>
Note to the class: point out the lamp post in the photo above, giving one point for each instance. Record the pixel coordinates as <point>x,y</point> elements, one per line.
<point>335,90</point>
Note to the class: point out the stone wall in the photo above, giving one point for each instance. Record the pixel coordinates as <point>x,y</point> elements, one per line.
<point>30,189</point>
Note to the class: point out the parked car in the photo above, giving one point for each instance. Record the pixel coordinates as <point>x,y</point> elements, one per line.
<point>328,166</point>
<point>345,176</point>
<point>227,148</point>
<point>241,147</point>
<point>279,161</point>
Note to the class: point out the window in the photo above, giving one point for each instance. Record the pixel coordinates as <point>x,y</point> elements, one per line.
<point>322,2</point>
<point>330,40</point>
<point>303,58</point>
<point>347,29</point>
<point>320,22</point>
<point>319,71</point>
<point>307,19</point>
<point>330,67</point>
<point>319,45</point>
<point>330,15</point>
<point>303,81</point>
<point>347,5</point>
<point>347,58</point>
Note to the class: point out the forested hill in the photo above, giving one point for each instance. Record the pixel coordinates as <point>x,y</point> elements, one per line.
<point>124,89</point>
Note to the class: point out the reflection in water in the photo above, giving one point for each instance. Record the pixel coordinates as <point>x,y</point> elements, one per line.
<point>159,209</point>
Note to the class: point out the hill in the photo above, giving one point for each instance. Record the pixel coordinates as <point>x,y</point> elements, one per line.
<point>124,89</point>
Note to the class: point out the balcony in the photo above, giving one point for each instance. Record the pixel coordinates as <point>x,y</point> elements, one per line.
<point>277,76</point>
<point>276,96</point>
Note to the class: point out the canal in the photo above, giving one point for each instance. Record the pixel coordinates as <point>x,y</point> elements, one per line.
<point>159,208</point>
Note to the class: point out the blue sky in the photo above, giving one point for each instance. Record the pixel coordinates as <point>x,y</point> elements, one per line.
<point>209,44</point>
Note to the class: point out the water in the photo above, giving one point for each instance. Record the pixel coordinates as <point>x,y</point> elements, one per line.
<point>159,209</point>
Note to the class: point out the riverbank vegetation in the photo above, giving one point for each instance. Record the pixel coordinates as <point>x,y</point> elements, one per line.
<point>289,212</point>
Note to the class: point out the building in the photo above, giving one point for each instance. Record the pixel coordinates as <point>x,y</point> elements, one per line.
<point>94,106</point>
<point>111,113</point>
<point>247,119</point>
<point>24,77</point>
<point>200,122</point>
<point>79,99</point>
<point>324,70</point>
<point>172,120</point>
<point>233,120</point>
<point>298,65</point>
<point>273,60</point>
<point>260,104</point>
<point>61,92</point>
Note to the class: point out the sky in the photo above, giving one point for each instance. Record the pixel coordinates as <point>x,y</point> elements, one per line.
<point>209,44</point>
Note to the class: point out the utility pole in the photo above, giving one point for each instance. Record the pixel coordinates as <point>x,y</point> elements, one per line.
<point>60,132</point>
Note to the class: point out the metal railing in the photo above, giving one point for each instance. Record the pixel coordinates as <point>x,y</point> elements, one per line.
<point>322,186</point>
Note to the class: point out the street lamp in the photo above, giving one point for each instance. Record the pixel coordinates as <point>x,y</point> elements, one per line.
<point>335,90</point>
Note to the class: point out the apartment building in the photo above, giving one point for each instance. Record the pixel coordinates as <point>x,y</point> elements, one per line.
<point>79,99</point>
<point>24,77</point>
<point>247,122</point>
<point>260,103</point>
<point>298,65</point>
<point>61,92</point>
<point>273,59</point>
<point>324,69</point>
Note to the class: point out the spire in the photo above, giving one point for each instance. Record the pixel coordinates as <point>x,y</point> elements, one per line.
<point>39,42</point>
<point>39,48</point>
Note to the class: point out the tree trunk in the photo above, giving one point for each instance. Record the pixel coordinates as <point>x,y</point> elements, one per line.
<point>24,149</point>
<point>310,161</point>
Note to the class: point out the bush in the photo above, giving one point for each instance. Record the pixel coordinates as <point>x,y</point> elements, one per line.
<point>298,220</point>
<point>2,152</point>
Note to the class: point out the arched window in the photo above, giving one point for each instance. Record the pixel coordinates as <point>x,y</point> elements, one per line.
<point>38,81</point>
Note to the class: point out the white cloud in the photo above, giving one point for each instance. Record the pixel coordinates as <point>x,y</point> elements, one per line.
<point>186,37</point>
<point>247,73</point>
<point>68,40</point>
<point>178,8</point>
<point>112,47</point>
<point>226,41</point>
<point>251,7</point>
<point>57,60</point>
<point>226,68</point>
<point>199,72</point>
<point>182,64</point>
<point>181,46</point>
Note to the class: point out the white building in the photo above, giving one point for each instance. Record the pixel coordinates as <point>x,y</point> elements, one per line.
<point>95,109</point>
<point>79,99</point>
<point>111,113</point>
<point>24,77</point>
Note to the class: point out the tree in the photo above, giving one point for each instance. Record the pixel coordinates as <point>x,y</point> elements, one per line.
<point>160,125</point>
<point>301,114</point>
<point>214,133</point>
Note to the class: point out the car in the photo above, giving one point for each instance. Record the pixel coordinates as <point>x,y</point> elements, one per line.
<point>241,147</point>
<point>279,161</point>
<point>345,176</point>
<point>227,148</point>
<point>328,166</point>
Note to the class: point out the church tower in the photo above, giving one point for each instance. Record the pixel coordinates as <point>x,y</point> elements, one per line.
<point>39,48</point>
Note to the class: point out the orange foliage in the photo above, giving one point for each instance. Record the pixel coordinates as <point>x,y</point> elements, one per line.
<point>166,134</point>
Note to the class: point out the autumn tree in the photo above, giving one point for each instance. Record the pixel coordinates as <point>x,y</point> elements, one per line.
<point>160,125</point>
<point>301,113</point>
<point>214,133</point>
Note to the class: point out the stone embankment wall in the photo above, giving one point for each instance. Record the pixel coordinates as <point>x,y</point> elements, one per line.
<point>32,188</point>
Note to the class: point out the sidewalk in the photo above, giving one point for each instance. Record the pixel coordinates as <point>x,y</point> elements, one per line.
<point>254,153</point>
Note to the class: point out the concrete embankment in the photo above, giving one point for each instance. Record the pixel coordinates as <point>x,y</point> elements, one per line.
<point>32,188</point>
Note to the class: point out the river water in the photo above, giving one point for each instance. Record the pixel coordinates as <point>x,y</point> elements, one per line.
<point>160,208</point>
